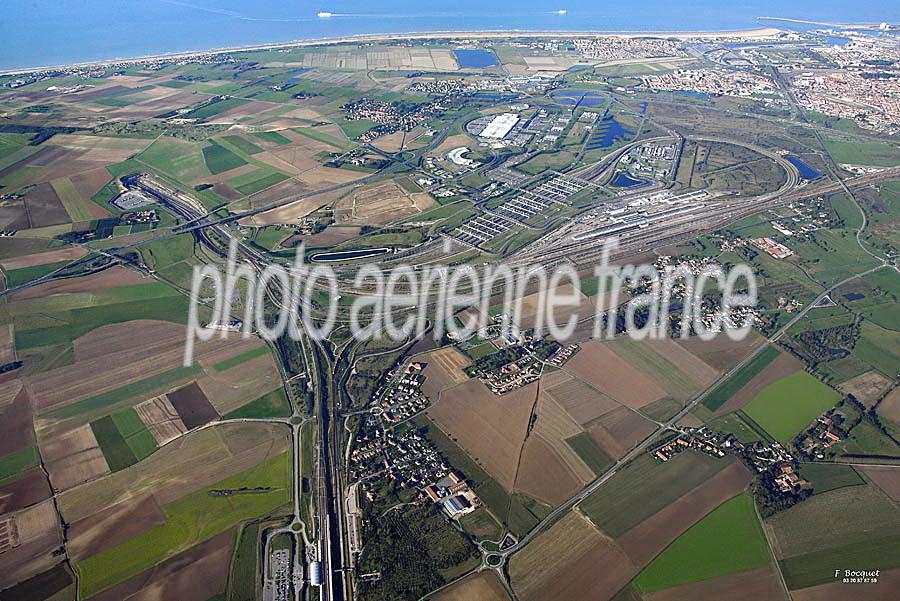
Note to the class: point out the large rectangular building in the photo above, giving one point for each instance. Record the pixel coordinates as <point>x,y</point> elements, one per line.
<point>500,126</point>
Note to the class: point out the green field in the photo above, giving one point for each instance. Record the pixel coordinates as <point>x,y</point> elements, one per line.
<point>17,464</point>
<point>138,390</point>
<point>214,108</point>
<point>244,573</point>
<point>817,567</point>
<point>481,525</point>
<point>116,451</point>
<point>726,389</point>
<point>17,277</point>
<point>123,438</point>
<point>253,182</point>
<point>242,144</point>
<point>784,408</point>
<point>880,348</point>
<point>481,350</point>
<point>272,136</point>
<point>219,159</point>
<point>834,519</point>
<point>66,326</point>
<point>590,452</point>
<point>78,208</point>
<point>136,434</point>
<point>728,540</point>
<point>190,520</point>
<point>645,486</point>
<point>314,134</point>
<point>829,476</point>
<point>863,153</point>
<point>181,160</point>
<point>242,358</point>
<point>271,404</point>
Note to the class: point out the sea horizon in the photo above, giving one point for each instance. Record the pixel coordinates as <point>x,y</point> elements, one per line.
<point>46,34</point>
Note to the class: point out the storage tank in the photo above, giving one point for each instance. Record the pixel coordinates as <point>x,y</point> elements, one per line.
<point>315,573</point>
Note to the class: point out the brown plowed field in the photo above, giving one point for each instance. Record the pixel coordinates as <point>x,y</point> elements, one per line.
<point>69,253</point>
<point>444,369</point>
<point>113,525</point>
<point>890,407</point>
<point>208,456</point>
<point>489,427</point>
<point>619,430</point>
<point>543,475</point>
<point>73,458</point>
<point>885,478</point>
<point>292,211</point>
<point>483,586</point>
<point>867,387</point>
<point>7,346</point>
<point>117,355</point>
<point>554,425</point>
<point>70,443</point>
<point>645,541</point>
<point>697,369</point>
<point>90,182</point>
<point>25,491</point>
<point>192,406</point>
<point>76,469</point>
<point>581,401</point>
<point>39,535</point>
<point>161,419</point>
<point>16,432</point>
<point>108,278</point>
<point>325,177</point>
<point>198,574</point>
<point>572,561</point>
<point>43,207</point>
<point>884,590</point>
<point>721,352</point>
<point>600,367</point>
<point>233,388</point>
<point>378,204</point>
<point>753,585</point>
<point>783,365</point>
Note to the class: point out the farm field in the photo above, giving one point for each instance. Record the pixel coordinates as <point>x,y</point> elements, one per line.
<point>477,587</point>
<point>720,395</point>
<point>785,407</point>
<point>646,486</point>
<point>825,476</point>
<point>490,428</point>
<point>728,540</point>
<point>863,523</point>
<point>561,563</point>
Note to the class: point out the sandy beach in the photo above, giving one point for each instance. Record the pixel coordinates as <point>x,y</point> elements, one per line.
<point>745,34</point>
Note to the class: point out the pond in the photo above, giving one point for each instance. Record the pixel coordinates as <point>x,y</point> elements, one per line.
<point>606,132</point>
<point>347,255</point>
<point>475,59</point>
<point>806,172</point>
<point>623,180</point>
<point>588,98</point>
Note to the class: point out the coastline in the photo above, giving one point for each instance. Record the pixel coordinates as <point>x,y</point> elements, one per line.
<point>747,34</point>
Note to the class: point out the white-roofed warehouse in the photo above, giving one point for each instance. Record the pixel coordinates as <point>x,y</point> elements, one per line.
<point>500,126</point>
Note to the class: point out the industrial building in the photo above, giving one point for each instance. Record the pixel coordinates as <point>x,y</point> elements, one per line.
<point>500,126</point>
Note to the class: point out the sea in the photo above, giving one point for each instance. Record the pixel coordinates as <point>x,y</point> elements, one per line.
<point>35,33</point>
